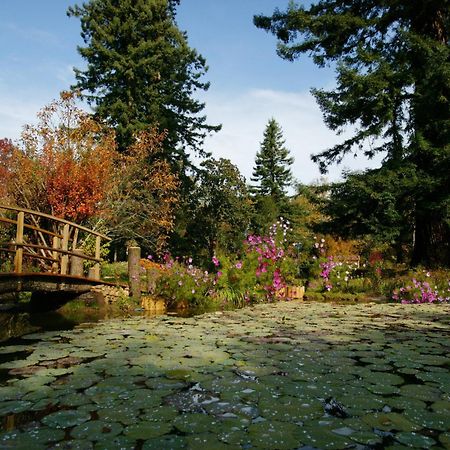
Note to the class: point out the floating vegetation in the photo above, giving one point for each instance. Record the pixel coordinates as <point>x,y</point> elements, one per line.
<point>275,376</point>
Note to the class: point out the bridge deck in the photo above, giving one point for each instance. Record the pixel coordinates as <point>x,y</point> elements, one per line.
<point>46,282</point>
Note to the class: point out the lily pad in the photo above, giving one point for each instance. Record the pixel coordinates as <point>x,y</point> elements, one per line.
<point>14,407</point>
<point>116,443</point>
<point>390,421</point>
<point>122,414</point>
<point>96,430</point>
<point>172,442</point>
<point>195,423</point>
<point>43,435</point>
<point>421,392</point>
<point>275,435</point>
<point>66,418</point>
<point>415,440</point>
<point>145,430</point>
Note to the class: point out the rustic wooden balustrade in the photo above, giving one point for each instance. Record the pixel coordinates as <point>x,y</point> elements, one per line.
<point>62,254</point>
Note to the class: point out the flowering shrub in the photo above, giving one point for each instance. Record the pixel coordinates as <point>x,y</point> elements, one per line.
<point>428,290</point>
<point>263,270</point>
<point>181,282</point>
<point>259,274</point>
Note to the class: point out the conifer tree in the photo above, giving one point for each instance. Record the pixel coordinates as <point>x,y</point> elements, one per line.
<point>141,72</point>
<point>392,60</point>
<point>272,169</point>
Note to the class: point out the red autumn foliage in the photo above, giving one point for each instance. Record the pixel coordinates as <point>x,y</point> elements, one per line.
<point>63,165</point>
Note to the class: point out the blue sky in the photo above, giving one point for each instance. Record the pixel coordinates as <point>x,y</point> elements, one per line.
<point>249,82</point>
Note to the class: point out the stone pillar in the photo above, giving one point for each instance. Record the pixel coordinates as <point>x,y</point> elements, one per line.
<point>134,272</point>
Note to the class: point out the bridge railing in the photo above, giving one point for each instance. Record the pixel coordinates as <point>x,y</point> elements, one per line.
<point>62,255</point>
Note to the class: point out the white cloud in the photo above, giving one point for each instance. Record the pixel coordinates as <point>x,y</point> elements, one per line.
<point>245,116</point>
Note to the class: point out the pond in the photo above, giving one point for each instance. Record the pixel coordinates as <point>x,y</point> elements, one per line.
<point>287,375</point>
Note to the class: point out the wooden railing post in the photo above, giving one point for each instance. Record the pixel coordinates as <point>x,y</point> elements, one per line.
<point>55,254</point>
<point>19,241</point>
<point>76,263</point>
<point>65,247</point>
<point>97,256</point>
<point>134,272</point>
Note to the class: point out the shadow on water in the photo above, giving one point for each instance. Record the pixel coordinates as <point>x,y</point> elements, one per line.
<point>23,320</point>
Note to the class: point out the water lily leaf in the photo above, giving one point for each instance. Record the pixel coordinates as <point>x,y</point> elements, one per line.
<point>76,382</point>
<point>96,430</point>
<point>160,413</point>
<point>145,430</point>
<point>195,423</point>
<point>441,406</point>
<point>15,440</point>
<point>421,392</point>
<point>9,349</point>
<point>115,443</point>
<point>18,363</point>
<point>390,421</point>
<point>205,440</point>
<point>444,439</point>
<point>74,444</point>
<point>402,402</point>
<point>45,435</point>
<point>385,378</point>
<point>178,374</point>
<point>415,440</point>
<point>122,413</point>
<point>442,378</point>
<point>429,419</point>
<point>66,418</point>
<point>382,389</point>
<point>366,438</point>
<point>46,335</point>
<point>275,435</point>
<point>11,392</point>
<point>236,437</point>
<point>165,442</point>
<point>14,407</point>
<point>74,399</point>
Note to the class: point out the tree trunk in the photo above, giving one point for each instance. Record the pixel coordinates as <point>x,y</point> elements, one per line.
<point>432,242</point>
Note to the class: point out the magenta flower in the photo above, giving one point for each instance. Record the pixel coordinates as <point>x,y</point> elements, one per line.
<point>238,265</point>
<point>215,261</point>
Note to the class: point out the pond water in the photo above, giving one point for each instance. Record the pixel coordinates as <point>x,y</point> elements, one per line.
<point>289,375</point>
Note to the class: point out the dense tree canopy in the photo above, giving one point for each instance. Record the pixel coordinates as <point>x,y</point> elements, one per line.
<point>141,71</point>
<point>220,208</point>
<point>393,84</point>
<point>140,204</point>
<point>272,171</point>
<point>62,165</point>
<point>376,206</point>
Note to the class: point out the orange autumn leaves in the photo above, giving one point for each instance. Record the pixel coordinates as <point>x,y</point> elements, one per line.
<point>67,165</point>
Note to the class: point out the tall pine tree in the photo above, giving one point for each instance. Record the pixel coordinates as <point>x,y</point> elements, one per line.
<point>141,71</point>
<point>272,171</point>
<point>392,60</point>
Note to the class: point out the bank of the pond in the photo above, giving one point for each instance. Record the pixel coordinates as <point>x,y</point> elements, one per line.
<point>276,376</point>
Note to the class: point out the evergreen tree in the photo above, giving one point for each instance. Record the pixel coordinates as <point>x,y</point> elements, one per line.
<point>393,82</point>
<point>140,72</point>
<point>272,169</point>
<point>220,210</point>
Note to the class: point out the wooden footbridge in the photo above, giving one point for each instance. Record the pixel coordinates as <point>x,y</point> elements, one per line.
<point>42,254</point>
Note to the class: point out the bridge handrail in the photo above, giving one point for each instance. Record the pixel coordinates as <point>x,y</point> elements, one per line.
<point>60,242</point>
<point>30,227</point>
<point>55,219</point>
